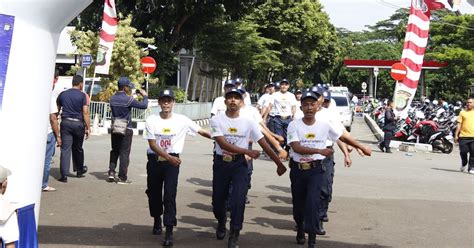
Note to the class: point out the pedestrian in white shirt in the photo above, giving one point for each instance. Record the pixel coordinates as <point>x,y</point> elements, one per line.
<point>218,105</point>
<point>232,133</point>
<point>166,133</point>
<point>284,107</point>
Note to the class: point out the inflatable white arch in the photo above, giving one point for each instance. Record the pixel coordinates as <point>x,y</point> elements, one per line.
<point>29,61</point>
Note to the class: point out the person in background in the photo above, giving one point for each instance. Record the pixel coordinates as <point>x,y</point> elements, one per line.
<point>75,125</point>
<point>389,127</point>
<point>298,112</point>
<point>121,105</point>
<point>53,132</point>
<point>218,106</point>
<point>9,231</point>
<point>465,136</point>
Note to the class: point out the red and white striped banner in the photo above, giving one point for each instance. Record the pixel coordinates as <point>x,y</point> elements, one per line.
<point>107,37</point>
<point>416,38</point>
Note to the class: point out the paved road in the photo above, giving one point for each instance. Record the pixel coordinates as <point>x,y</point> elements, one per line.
<point>387,200</point>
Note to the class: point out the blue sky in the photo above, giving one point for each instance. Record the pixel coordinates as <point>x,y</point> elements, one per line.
<point>355,14</point>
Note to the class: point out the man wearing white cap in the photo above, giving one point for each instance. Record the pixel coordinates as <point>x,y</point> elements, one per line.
<point>9,232</point>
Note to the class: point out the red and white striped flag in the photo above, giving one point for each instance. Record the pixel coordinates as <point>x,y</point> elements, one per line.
<point>107,37</point>
<point>416,38</point>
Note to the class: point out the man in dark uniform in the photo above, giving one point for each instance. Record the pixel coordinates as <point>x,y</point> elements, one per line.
<point>389,127</point>
<point>232,133</point>
<point>121,104</point>
<point>307,138</point>
<point>75,124</point>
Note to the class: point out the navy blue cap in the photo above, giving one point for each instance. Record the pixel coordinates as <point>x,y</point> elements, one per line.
<point>269,85</point>
<point>309,94</point>
<point>277,85</point>
<point>234,91</point>
<point>124,81</point>
<point>239,81</point>
<point>326,86</point>
<point>284,81</point>
<point>242,89</point>
<point>318,90</point>
<point>298,91</point>
<point>327,95</point>
<point>166,93</point>
<point>229,82</point>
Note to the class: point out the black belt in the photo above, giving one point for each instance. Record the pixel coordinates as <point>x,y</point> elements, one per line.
<point>73,119</point>
<point>230,158</point>
<point>305,165</point>
<point>283,117</point>
<point>153,156</point>
<point>329,147</point>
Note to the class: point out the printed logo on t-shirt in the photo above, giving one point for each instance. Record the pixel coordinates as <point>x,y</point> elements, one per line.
<point>232,130</point>
<point>166,130</point>
<point>310,136</point>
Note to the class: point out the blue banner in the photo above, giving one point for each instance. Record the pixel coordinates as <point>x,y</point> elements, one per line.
<point>6,32</point>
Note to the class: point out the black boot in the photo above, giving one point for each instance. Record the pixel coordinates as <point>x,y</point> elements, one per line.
<point>157,229</point>
<point>320,230</point>
<point>220,230</point>
<point>233,238</point>
<point>388,150</point>
<point>381,147</point>
<point>300,237</point>
<point>168,240</point>
<point>311,240</point>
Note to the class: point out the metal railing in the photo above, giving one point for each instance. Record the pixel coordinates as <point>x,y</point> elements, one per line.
<point>195,111</point>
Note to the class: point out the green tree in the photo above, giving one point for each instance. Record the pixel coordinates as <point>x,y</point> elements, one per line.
<point>126,55</point>
<point>452,41</point>
<point>306,39</point>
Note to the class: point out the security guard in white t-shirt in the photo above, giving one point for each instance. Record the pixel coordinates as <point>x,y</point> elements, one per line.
<point>307,138</point>
<point>232,133</point>
<point>218,106</point>
<point>166,133</point>
<point>284,107</point>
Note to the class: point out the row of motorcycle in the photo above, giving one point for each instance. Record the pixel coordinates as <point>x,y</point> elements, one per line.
<point>427,123</point>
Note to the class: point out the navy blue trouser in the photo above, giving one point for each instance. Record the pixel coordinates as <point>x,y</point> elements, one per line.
<point>326,186</point>
<point>281,128</point>
<point>159,174</point>
<point>306,196</point>
<point>121,146</point>
<point>466,146</point>
<point>72,136</point>
<point>225,173</point>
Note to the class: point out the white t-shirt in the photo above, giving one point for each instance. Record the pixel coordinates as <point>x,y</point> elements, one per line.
<point>9,231</point>
<point>282,103</point>
<point>313,136</point>
<point>298,113</point>
<point>237,131</point>
<point>247,100</point>
<point>169,133</point>
<point>251,113</point>
<point>264,100</point>
<point>218,105</point>
<point>53,108</point>
<point>330,115</point>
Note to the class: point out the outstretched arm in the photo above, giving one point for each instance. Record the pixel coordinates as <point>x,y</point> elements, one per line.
<point>345,151</point>
<point>280,167</point>
<point>204,133</point>
<point>162,153</point>
<point>348,139</point>
<point>298,148</point>
<point>235,149</point>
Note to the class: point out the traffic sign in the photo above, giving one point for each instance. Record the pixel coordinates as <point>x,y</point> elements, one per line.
<point>86,60</point>
<point>399,71</point>
<point>376,71</point>
<point>364,85</point>
<point>148,64</point>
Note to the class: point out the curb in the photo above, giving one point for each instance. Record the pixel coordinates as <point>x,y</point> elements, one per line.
<point>395,144</point>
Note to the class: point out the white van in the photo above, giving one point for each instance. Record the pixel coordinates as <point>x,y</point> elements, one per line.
<point>343,108</point>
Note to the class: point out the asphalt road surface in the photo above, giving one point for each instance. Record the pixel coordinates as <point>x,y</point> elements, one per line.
<point>387,200</point>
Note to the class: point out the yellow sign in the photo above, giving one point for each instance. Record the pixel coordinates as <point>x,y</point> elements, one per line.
<point>166,130</point>
<point>232,130</point>
<point>310,136</point>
